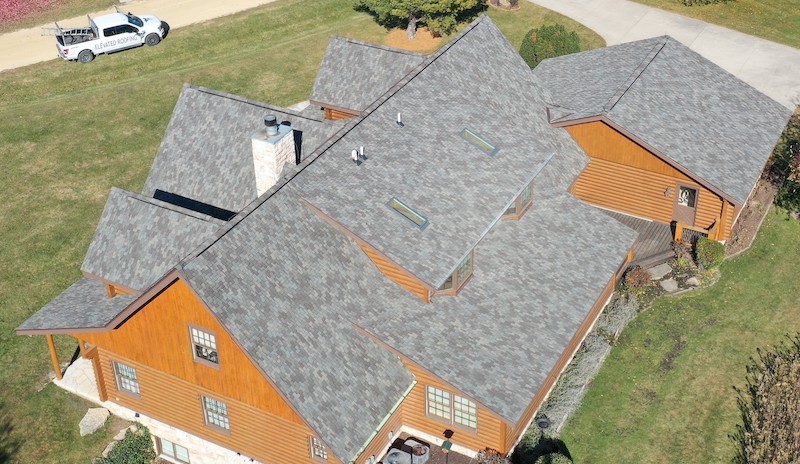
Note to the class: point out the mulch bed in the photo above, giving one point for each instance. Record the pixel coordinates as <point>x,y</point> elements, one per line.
<point>756,208</point>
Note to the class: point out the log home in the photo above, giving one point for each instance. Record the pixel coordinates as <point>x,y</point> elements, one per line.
<point>299,287</point>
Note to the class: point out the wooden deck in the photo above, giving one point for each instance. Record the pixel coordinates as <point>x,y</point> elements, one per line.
<point>437,455</point>
<point>654,245</point>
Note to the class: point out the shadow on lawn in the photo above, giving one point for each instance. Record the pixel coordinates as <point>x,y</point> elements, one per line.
<point>544,446</point>
<point>8,445</point>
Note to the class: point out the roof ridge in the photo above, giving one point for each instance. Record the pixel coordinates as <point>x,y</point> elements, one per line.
<point>377,46</point>
<point>637,72</point>
<point>319,151</point>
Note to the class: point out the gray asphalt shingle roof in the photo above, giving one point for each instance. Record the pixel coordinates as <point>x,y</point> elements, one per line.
<point>429,166</point>
<point>353,74</point>
<point>673,99</point>
<point>291,287</point>
<point>206,154</point>
<point>139,239</point>
<point>83,305</point>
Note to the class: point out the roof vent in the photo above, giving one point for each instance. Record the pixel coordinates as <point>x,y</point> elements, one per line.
<point>272,124</point>
<point>399,120</point>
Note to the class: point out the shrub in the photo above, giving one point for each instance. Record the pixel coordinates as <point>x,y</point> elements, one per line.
<point>786,160</point>
<point>553,458</point>
<point>770,407</point>
<point>490,456</point>
<point>135,448</point>
<point>710,253</point>
<point>548,42</point>
<point>638,277</point>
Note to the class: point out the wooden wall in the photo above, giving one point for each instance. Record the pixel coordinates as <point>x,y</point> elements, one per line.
<point>156,342</point>
<point>626,177</point>
<point>490,430</point>
<point>381,439</point>
<point>396,273</point>
<point>333,114</point>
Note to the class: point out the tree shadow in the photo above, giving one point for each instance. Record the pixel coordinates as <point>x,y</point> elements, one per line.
<point>9,445</point>
<point>528,453</point>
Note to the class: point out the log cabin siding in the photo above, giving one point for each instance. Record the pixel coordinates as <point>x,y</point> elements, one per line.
<point>380,441</point>
<point>176,402</point>
<point>335,115</point>
<point>157,336</point>
<point>490,430</point>
<point>396,273</point>
<point>624,176</point>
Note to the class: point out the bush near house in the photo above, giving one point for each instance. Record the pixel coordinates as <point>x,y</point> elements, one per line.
<point>786,159</point>
<point>135,448</point>
<point>553,458</point>
<point>709,253</point>
<point>770,407</point>
<point>548,41</point>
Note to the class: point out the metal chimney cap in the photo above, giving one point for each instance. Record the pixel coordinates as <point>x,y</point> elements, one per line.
<point>270,120</point>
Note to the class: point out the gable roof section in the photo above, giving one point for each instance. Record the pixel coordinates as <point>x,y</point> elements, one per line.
<point>686,108</point>
<point>84,305</point>
<point>139,239</point>
<point>429,166</point>
<point>206,154</point>
<point>353,74</point>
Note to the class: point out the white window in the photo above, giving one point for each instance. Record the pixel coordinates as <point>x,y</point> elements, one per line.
<point>465,412</point>
<point>439,403</point>
<point>172,450</point>
<point>204,346</point>
<point>216,413</point>
<point>127,381</point>
<point>453,409</point>
<point>318,450</point>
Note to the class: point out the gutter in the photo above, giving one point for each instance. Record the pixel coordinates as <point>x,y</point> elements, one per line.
<point>383,421</point>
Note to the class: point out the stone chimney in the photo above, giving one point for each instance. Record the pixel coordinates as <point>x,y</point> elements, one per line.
<point>273,147</point>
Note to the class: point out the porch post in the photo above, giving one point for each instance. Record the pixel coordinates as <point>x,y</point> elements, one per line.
<point>82,347</point>
<point>54,356</point>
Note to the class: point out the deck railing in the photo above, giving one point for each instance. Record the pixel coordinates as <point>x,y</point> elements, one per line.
<point>690,234</point>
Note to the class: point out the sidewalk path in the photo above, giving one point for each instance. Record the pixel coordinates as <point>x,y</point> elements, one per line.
<point>28,46</point>
<point>772,68</point>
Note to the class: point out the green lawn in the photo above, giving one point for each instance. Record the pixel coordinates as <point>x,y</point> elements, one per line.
<point>776,20</point>
<point>665,393</point>
<point>68,132</point>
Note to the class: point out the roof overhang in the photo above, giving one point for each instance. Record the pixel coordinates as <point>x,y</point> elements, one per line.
<point>336,107</point>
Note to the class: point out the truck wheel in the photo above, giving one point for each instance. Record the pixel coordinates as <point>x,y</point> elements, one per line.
<point>152,39</point>
<point>86,56</point>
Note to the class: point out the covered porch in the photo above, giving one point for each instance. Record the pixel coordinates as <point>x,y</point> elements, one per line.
<point>408,449</point>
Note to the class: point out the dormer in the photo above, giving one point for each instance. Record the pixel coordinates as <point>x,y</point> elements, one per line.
<point>460,276</point>
<point>520,205</point>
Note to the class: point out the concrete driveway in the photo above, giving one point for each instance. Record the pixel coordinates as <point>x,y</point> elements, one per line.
<point>28,46</point>
<point>772,68</point>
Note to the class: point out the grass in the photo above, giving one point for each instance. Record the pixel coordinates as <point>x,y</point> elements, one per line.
<point>68,132</point>
<point>665,393</point>
<point>776,20</point>
<point>62,9</point>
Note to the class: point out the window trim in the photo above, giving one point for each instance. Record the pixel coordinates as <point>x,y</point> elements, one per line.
<point>469,402</point>
<point>408,213</point>
<point>118,384</point>
<point>198,359</point>
<point>520,209</point>
<point>480,142</point>
<point>451,421</point>
<point>319,445</point>
<point>161,453</point>
<point>457,284</point>
<point>205,414</point>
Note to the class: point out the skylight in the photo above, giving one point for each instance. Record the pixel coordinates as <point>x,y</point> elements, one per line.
<point>408,213</point>
<point>484,145</point>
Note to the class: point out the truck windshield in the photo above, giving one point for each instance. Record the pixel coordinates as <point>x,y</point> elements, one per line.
<point>135,20</point>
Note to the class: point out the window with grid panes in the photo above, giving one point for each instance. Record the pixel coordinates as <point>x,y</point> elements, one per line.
<point>204,345</point>
<point>465,412</point>
<point>438,403</point>
<point>126,378</point>
<point>216,413</point>
<point>174,451</point>
<point>318,450</point>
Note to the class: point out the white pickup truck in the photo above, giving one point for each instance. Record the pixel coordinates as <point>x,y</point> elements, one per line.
<point>107,34</point>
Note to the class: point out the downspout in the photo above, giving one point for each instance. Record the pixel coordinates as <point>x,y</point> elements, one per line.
<point>383,422</point>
